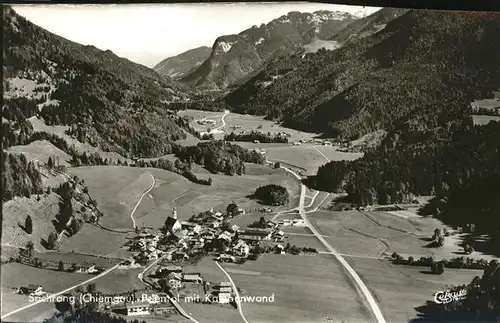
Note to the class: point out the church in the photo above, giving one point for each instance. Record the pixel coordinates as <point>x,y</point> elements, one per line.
<point>172,224</point>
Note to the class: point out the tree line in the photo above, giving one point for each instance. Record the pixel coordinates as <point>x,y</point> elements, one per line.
<point>256,135</point>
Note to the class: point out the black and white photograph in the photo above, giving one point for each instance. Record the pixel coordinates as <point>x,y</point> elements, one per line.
<point>253,162</point>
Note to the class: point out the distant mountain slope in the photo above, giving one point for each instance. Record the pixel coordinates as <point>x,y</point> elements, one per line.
<point>368,25</point>
<point>235,56</point>
<point>182,64</point>
<point>417,60</point>
<point>111,101</point>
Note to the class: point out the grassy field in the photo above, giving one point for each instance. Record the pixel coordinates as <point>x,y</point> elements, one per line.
<point>12,301</point>
<point>116,189</point>
<point>41,150</point>
<point>241,122</point>
<point>305,288</point>
<point>17,275</point>
<point>41,212</point>
<point>399,289</point>
<point>69,257</point>
<point>483,119</point>
<point>120,281</point>
<point>308,156</point>
<point>192,198</point>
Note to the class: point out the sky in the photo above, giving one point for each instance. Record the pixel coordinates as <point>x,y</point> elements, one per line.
<point>149,33</point>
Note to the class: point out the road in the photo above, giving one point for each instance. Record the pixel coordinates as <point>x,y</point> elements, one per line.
<point>226,112</point>
<point>142,196</point>
<point>355,277</point>
<point>61,292</point>
<point>238,300</point>
<point>172,300</point>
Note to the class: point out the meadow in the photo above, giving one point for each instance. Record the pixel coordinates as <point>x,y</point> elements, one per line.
<point>300,293</point>
<point>400,289</point>
<point>41,150</point>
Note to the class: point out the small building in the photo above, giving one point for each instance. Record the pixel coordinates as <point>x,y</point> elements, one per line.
<point>190,226</point>
<point>250,238</point>
<point>179,255</point>
<point>31,289</point>
<point>224,298</point>
<point>235,228</point>
<point>139,308</point>
<point>327,143</point>
<point>225,236</point>
<point>240,212</point>
<point>225,289</point>
<point>87,269</point>
<point>163,308</point>
<point>224,284</point>
<point>192,278</point>
<point>256,142</point>
<point>242,249</point>
<point>279,249</point>
<point>226,258</point>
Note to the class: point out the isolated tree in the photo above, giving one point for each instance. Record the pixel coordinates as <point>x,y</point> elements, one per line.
<point>28,225</point>
<point>91,288</point>
<point>232,209</point>
<point>60,266</point>
<point>440,241</point>
<point>51,240</point>
<point>50,163</point>
<point>75,226</point>
<point>29,250</point>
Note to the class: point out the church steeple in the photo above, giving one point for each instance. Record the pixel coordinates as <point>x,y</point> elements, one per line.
<point>174,213</point>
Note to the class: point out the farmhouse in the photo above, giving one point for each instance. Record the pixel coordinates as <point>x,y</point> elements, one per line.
<point>190,226</point>
<point>234,228</point>
<point>31,289</point>
<point>140,308</point>
<point>250,238</point>
<point>87,269</point>
<point>224,284</point>
<point>180,255</point>
<point>279,249</point>
<point>225,236</point>
<point>227,258</point>
<point>241,249</point>
<point>224,298</point>
<point>162,308</point>
<point>192,278</point>
<point>264,234</point>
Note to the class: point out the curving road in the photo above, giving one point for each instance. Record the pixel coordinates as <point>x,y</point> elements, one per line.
<point>355,277</point>
<point>238,300</point>
<point>142,196</point>
<point>226,112</point>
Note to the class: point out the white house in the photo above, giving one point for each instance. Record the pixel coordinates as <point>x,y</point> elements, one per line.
<point>141,308</point>
<point>242,248</point>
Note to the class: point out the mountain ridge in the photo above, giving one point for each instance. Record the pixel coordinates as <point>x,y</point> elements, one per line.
<point>235,56</point>
<point>182,64</point>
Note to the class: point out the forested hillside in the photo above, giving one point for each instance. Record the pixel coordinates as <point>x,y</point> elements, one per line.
<point>117,104</point>
<point>19,177</point>
<point>419,59</point>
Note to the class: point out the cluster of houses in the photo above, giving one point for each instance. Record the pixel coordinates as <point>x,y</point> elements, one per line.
<point>206,121</point>
<point>146,244</point>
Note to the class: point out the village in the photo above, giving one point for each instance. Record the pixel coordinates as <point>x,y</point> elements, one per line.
<point>165,251</point>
